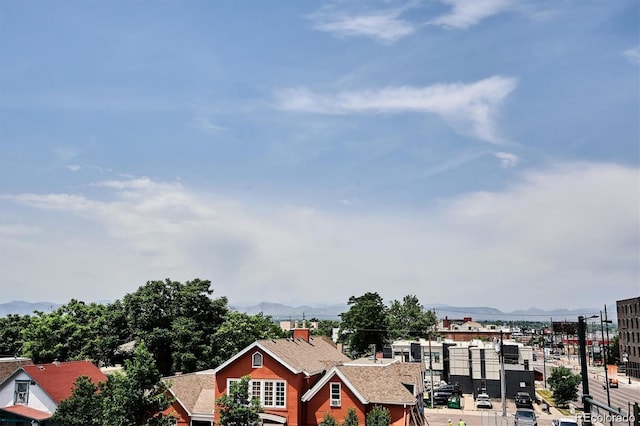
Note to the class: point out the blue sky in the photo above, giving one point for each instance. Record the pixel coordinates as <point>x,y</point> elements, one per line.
<point>473,153</point>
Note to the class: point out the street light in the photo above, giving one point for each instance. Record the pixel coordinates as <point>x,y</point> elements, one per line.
<point>583,367</point>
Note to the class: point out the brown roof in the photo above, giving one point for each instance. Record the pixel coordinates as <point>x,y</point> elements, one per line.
<point>385,383</point>
<point>9,365</point>
<point>194,391</point>
<point>314,356</point>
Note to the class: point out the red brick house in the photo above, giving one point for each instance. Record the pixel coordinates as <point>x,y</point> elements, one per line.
<point>365,383</point>
<point>32,393</point>
<point>300,379</point>
<point>193,398</point>
<point>281,371</point>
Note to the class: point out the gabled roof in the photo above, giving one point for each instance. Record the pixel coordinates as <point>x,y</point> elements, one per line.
<point>194,391</point>
<point>58,379</point>
<point>377,383</point>
<point>298,355</point>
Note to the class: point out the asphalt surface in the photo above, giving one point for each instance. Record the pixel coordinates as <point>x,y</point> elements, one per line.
<point>622,397</point>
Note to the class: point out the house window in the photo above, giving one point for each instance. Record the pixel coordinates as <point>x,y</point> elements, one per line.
<point>256,360</point>
<point>270,393</point>
<point>21,392</point>
<point>336,395</point>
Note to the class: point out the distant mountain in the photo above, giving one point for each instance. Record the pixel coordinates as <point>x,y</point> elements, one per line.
<point>283,312</point>
<point>278,311</point>
<point>21,307</point>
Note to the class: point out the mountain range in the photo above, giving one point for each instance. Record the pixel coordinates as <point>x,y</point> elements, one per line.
<point>278,311</point>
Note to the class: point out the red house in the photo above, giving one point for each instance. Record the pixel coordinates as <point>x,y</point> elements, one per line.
<point>193,399</point>
<point>366,383</point>
<point>281,371</point>
<point>300,379</point>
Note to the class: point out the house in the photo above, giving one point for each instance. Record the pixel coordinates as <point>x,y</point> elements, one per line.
<point>363,384</point>
<point>281,372</point>
<point>32,393</point>
<point>193,399</point>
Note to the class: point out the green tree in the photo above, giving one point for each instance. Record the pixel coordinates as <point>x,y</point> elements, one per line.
<point>409,320</point>
<point>325,327</point>
<point>137,397</point>
<point>378,416</point>
<point>82,408</point>
<point>11,338</point>
<point>564,385</point>
<point>236,409</point>
<point>176,321</point>
<point>364,324</point>
<point>239,330</point>
<point>328,420</point>
<point>351,419</point>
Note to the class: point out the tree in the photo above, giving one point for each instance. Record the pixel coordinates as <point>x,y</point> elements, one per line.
<point>351,419</point>
<point>325,327</point>
<point>11,339</point>
<point>136,398</point>
<point>409,320</point>
<point>139,397</point>
<point>364,324</point>
<point>82,408</point>
<point>176,321</point>
<point>328,420</point>
<point>378,416</point>
<point>236,409</point>
<point>564,385</point>
<point>240,330</point>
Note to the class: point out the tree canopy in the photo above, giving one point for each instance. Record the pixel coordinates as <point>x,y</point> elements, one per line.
<point>564,385</point>
<point>409,320</point>
<point>236,408</point>
<point>365,324</point>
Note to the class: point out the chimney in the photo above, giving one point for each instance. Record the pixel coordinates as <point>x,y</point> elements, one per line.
<point>302,333</point>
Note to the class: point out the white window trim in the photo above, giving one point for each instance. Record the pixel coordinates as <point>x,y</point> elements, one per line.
<point>335,402</point>
<point>262,391</point>
<point>256,355</point>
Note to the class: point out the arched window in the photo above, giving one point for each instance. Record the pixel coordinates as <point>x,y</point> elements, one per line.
<point>256,360</point>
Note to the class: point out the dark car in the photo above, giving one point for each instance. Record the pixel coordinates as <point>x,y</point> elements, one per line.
<point>441,398</point>
<point>523,400</point>
<point>451,389</point>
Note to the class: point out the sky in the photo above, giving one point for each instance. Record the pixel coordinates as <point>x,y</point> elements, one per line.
<point>468,152</point>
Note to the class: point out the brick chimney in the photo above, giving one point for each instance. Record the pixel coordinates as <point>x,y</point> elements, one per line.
<point>302,333</point>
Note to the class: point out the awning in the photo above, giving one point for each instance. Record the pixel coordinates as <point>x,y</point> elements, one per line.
<point>272,418</point>
<point>27,412</point>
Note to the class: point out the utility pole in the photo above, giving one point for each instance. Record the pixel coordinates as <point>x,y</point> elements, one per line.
<point>605,355</point>
<point>503,382</point>
<point>583,370</point>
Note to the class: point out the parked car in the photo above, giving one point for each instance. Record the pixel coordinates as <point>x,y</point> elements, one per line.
<point>523,400</point>
<point>564,421</point>
<point>483,401</point>
<point>452,389</point>
<point>525,417</point>
<point>441,398</point>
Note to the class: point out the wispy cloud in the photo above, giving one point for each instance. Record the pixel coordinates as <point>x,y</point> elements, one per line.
<point>471,108</point>
<point>559,230</point>
<point>632,55</point>
<point>467,13</point>
<point>507,159</point>
<point>383,25</point>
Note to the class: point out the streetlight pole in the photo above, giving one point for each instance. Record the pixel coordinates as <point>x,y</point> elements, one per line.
<point>583,370</point>
<point>503,382</point>
<point>604,355</point>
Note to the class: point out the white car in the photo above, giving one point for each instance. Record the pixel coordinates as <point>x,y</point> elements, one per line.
<point>483,401</point>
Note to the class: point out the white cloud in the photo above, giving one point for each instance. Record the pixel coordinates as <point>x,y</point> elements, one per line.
<point>632,55</point>
<point>74,167</point>
<point>507,159</point>
<point>471,108</point>
<point>385,26</point>
<point>541,241</point>
<point>467,13</point>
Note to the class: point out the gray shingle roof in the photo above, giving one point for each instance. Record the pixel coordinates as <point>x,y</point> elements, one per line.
<point>194,391</point>
<point>385,383</point>
<point>311,357</point>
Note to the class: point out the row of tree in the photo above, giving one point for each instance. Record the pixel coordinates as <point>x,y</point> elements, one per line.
<point>186,329</point>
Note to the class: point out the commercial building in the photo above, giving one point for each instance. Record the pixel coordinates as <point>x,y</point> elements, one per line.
<point>629,334</point>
